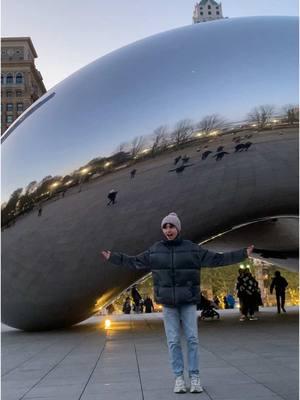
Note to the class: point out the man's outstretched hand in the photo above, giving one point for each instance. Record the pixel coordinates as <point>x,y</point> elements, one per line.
<point>106,254</point>
<point>250,250</point>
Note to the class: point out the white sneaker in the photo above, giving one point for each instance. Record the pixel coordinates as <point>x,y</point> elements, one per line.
<point>179,385</point>
<point>196,384</point>
<point>243,318</point>
<point>252,318</point>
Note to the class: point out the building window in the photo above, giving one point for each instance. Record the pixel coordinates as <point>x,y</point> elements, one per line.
<point>2,79</point>
<point>19,78</point>
<point>9,79</point>
<point>209,12</point>
<point>201,8</point>
<point>9,93</point>
<point>209,7</point>
<point>19,93</point>
<point>201,13</point>
<point>20,107</point>
<point>9,107</point>
<point>218,13</point>
<point>217,7</point>
<point>9,119</point>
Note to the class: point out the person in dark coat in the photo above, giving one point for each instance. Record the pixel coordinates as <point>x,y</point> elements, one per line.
<point>132,173</point>
<point>136,298</point>
<point>175,265</point>
<point>127,306</point>
<point>148,304</point>
<point>220,155</point>
<point>280,284</point>
<point>247,287</point>
<point>206,154</point>
<point>112,197</point>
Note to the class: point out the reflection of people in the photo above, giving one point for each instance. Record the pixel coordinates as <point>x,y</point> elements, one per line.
<point>205,154</point>
<point>280,284</point>
<point>110,309</point>
<point>127,306</point>
<point>220,155</point>
<point>175,265</point>
<point>40,210</point>
<point>148,303</point>
<point>176,159</point>
<point>226,306</point>
<point>136,298</point>
<point>185,159</point>
<point>112,197</point>
<point>132,173</point>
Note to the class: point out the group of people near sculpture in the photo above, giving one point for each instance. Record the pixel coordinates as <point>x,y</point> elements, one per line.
<point>137,304</point>
<point>175,264</point>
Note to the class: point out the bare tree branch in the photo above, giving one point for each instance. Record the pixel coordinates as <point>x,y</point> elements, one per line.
<point>136,146</point>
<point>261,115</point>
<point>160,139</point>
<point>182,132</point>
<point>211,123</point>
<point>291,113</point>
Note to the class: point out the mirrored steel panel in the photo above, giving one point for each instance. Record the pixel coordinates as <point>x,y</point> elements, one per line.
<point>201,120</point>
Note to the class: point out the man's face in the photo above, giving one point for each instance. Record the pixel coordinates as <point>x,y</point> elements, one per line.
<point>170,231</point>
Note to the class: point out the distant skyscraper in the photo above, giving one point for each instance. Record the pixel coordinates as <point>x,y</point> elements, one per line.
<point>21,83</point>
<point>207,10</point>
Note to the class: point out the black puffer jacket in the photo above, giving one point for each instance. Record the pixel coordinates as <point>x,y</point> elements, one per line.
<point>175,268</point>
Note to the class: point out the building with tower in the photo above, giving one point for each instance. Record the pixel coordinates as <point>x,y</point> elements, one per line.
<point>21,83</point>
<point>207,10</point>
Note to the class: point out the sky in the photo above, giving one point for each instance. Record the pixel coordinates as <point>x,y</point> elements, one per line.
<point>69,34</point>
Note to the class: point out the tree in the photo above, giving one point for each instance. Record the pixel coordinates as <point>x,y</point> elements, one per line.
<point>261,115</point>
<point>160,139</point>
<point>31,187</point>
<point>9,211</point>
<point>182,132</point>
<point>291,113</point>
<point>211,123</point>
<point>136,146</point>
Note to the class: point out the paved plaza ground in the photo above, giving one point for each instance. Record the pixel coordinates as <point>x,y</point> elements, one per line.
<point>251,360</point>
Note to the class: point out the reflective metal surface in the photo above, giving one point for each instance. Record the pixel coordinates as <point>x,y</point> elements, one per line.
<point>199,113</point>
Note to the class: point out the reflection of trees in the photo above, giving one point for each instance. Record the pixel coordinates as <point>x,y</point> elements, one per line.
<point>136,146</point>
<point>291,114</point>
<point>160,140</point>
<point>9,210</point>
<point>182,132</point>
<point>31,187</point>
<point>211,123</point>
<point>261,116</point>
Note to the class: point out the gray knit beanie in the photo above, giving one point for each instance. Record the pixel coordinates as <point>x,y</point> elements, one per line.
<point>173,219</point>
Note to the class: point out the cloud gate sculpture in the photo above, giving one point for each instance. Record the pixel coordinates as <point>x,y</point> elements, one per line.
<point>200,120</point>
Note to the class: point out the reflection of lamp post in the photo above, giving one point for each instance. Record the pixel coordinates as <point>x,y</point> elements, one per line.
<point>53,186</point>
<point>83,173</point>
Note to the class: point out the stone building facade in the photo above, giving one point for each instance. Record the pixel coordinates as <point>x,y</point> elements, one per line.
<point>21,83</point>
<point>207,10</point>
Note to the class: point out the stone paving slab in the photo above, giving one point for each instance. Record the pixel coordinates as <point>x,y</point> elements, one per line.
<point>239,361</point>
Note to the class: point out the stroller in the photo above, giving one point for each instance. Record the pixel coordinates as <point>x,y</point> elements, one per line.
<point>208,309</point>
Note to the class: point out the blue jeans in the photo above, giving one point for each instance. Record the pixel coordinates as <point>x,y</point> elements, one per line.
<point>187,315</point>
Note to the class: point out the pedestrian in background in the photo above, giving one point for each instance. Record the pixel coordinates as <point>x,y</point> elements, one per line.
<point>280,284</point>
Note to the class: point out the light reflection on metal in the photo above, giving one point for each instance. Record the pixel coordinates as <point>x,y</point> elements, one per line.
<point>140,108</point>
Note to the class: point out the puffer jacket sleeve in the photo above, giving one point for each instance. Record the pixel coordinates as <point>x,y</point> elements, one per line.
<point>139,262</point>
<point>211,259</point>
